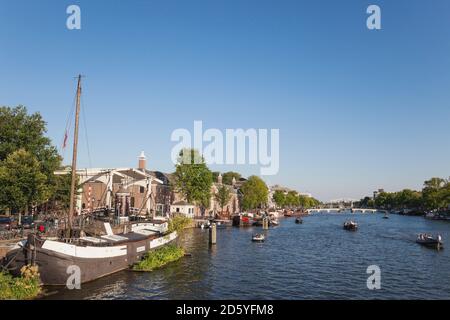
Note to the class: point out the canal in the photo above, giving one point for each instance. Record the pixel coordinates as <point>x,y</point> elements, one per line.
<point>313,260</point>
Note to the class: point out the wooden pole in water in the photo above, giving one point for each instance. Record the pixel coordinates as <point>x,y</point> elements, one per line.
<point>213,234</point>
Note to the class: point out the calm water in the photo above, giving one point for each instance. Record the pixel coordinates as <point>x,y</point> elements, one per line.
<point>315,260</point>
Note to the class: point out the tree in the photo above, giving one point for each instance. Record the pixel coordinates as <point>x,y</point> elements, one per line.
<point>254,193</point>
<point>193,179</point>
<point>433,196</point>
<point>292,199</point>
<point>279,198</point>
<point>61,195</point>
<point>22,183</point>
<point>307,202</point>
<point>223,196</point>
<point>227,177</point>
<point>21,131</point>
<point>18,130</point>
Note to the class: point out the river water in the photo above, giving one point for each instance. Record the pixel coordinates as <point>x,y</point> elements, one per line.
<point>314,260</point>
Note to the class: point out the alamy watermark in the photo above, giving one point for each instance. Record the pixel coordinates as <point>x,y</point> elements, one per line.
<point>374,20</point>
<point>234,146</point>
<point>73,21</point>
<point>74,279</point>
<point>374,280</point>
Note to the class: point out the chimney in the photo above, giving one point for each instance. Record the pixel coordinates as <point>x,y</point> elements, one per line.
<point>219,178</point>
<point>142,162</point>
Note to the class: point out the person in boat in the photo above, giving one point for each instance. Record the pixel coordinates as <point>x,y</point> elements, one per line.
<point>439,238</point>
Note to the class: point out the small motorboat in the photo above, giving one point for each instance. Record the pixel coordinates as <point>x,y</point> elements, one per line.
<point>430,241</point>
<point>274,222</point>
<point>350,225</point>
<point>258,237</point>
<point>298,221</point>
<point>385,216</point>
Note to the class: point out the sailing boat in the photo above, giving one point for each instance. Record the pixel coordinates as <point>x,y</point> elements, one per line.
<point>95,256</point>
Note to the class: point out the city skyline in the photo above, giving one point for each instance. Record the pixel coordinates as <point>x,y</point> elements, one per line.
<point>357,109</point>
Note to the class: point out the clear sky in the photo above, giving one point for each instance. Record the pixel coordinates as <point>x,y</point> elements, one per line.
<point>357,109</point>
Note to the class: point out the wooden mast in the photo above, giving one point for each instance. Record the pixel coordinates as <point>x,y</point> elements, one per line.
<point>74,159</point>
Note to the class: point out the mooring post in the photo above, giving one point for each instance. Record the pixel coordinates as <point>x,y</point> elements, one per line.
<point>213,234</point>
<point>265,223</point>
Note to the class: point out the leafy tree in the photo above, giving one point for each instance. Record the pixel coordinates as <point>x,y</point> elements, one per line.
<point>22,132</point>
<point>292,199</point>
<point>61,195</point>
<point>193,179</point>
<point>223,196</point>
<point>307,202</point>
<point>18,130</point>
<point>22,182</point>
<point>279,198</point>
<point>433,194</point>
<point>254,193</point>
<point>227,177</point>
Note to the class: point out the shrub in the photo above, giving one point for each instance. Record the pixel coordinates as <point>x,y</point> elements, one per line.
<point>159,257</point>
<point>27,286</point>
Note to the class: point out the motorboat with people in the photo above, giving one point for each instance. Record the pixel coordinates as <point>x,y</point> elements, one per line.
<point>298,221</point>
<point>350,225</point>
<point>430,241</point>
<point>259,237</point>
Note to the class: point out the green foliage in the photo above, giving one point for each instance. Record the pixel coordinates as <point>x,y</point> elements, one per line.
<point>193,179</point>
<point>227,177</point>
<point>62,186</point>
<point>26,286</point>
<point>435,195</point>
<point>307,202</point>
<point>223,196</point>
<point>279,198</point>
<point>178,223</point>
<point>22,182</point>
<point>292,199</point>
<point>254,193</point>
<point>23,143</point>
<point>18,130</point>
<point>159,257</point>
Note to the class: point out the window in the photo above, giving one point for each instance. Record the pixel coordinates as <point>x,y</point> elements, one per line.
<point>141,189</point>
<point>178,209</point>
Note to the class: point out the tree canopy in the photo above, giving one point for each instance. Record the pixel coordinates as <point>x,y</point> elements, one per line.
<point>193,179</point>
<point>254,193</point>
<point>22,183</point>
<point>223,196</point>
<point>227,177</point>
<point>26,151</point>
<point>279,198</point>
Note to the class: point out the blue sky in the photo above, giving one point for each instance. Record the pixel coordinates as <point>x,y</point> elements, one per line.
<point>357,109</point>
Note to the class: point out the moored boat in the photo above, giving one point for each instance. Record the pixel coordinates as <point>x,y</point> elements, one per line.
<point>89,257</point>
<point>94,256</point>
<point>298,221</point>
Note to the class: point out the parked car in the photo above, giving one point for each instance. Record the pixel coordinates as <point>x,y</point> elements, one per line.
<point>27,222</point>
<point>7,223</point>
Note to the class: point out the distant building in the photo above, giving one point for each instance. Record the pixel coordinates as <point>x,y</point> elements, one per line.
<point>130,190</point>
<point>182,208</point>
